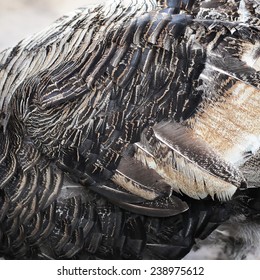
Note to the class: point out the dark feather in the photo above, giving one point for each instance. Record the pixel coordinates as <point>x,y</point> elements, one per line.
<point>129,131</point>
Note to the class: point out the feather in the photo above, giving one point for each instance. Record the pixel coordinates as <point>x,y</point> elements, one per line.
<point>129,130</point>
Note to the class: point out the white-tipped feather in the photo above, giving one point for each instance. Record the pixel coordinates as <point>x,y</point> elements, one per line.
<point>186,176</point>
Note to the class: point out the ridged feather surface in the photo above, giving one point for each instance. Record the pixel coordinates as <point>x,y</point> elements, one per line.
<point>120,125</point>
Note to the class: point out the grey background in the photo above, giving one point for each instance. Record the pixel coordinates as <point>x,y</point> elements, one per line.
<point>22,18</point>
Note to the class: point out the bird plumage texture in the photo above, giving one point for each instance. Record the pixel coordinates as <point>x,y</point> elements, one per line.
<point>130,130</point>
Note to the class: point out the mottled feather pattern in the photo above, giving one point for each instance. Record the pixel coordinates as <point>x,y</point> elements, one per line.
<point>107,125</point>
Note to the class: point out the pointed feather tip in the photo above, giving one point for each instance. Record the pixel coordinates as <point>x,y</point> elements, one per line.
<point>161,207</point>
<point>226,194</point>
<point>165,207</point>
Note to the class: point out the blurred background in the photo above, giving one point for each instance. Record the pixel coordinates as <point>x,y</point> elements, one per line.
<point>21,18</point>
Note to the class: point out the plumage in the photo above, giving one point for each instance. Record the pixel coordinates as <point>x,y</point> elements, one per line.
<point>130,130</point>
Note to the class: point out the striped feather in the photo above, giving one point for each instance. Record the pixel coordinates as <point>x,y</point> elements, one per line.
<point>128,129</point>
